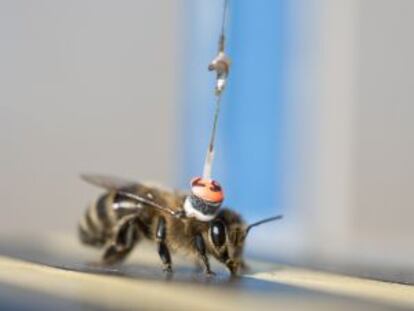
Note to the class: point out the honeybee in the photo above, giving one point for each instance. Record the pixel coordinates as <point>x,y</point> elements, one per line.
<point>129,212</point>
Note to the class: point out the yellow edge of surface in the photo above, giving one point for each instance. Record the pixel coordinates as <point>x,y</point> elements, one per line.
<point>121,293</point>
<point>391,293</point>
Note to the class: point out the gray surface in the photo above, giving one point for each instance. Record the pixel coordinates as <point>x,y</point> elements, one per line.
<point>16,299</point>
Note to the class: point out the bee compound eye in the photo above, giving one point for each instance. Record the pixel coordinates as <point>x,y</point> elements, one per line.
<point>218,233</point>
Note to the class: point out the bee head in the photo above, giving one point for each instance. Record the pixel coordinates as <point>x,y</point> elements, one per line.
<point>228,233</point>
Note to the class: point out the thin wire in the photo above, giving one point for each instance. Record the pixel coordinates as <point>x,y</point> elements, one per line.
<point>223,26</point>
<point>208,163</point>
<point>214,129</point>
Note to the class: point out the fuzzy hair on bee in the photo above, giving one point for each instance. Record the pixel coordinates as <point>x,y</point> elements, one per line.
<point>129,212</point>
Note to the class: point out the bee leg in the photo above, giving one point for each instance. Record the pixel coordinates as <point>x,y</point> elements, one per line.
<point>244,267</point>
<point>126,236</point>
<point>198,265</point>
<point>163,250</point>
<point>201,250</point>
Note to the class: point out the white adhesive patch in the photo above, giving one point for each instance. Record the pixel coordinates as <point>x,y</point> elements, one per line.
<point>190,211</point>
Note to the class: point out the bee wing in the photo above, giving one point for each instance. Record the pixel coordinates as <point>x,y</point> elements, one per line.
<point>133,190</point>
<point>107,182</point>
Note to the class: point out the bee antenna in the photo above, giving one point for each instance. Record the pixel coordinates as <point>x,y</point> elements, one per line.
<point>262,222</point>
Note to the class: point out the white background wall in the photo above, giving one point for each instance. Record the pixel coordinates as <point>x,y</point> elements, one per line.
<point>84,86</point>
<point>382,220</point>
<point>350,98</point>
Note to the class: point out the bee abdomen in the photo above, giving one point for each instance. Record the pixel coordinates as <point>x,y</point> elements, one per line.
<point>90,239</point>
<point>96,225</point>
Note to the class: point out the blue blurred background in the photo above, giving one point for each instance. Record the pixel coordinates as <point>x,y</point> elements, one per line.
<point>248,161</point>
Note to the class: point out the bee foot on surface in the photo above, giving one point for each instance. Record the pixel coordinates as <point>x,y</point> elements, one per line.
<point>167,270</point>
<point>210,273</point>
<point>244,269</point>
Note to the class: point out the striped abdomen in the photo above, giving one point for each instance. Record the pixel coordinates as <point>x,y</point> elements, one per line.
<point>98,223</point>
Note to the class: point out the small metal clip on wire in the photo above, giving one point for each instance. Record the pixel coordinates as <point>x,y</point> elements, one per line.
<point>221,65</point>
